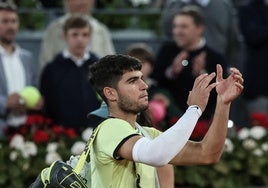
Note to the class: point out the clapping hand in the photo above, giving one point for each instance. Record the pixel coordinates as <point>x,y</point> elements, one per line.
<point>199,64</point>
<point>231,87</point>
<point>177,65</point>
<point>200,92</point>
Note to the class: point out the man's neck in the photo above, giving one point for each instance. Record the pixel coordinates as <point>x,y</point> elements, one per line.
<point>130,118</point>
<point>196,45</point>
<point>9,48</point>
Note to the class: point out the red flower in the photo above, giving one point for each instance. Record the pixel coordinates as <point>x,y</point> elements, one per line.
<point>70,132</point>
<point>40,136</point>
<point>259,118</point>
<point>30,120</point>
<point>57,130</point>
<point>48,121</point>
<point>23,130</point>
<point>41,129</point>
<point>40,119</point>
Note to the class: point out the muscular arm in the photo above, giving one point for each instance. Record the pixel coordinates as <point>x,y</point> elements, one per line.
<point>210,148</point>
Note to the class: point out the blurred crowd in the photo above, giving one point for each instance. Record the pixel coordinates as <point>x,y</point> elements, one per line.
<point>197,35</point>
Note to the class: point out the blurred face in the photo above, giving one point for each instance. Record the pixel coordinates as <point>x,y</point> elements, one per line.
<point>77,40</point>
<point>8,26</point>
<point>185,32</point>
<point>132,93</point>
<point>146,69</point>
<point>79,6</point>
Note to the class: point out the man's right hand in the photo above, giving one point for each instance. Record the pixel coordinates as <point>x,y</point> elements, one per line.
<point>15,102</point>
<point>201,90</point>
<point>177,65</point>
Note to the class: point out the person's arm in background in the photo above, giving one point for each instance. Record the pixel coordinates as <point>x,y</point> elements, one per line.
<point>52,43</point>
<point>3,102</point>
<point>166,176</point>
<point>107,43</point>
<point>10,102</point>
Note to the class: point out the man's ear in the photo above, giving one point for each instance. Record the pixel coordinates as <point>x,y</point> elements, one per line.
<point>200,30</point>
<point>110,93</point>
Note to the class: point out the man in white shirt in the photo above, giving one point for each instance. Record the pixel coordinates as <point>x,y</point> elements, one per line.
<point>16,69</point>
<point>53,41</point>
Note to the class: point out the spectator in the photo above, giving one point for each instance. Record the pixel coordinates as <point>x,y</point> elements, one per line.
<point>53,41</point>
<point>164,112</point>
<point>221,30</point>
<point>253,19</point>
<point>179,62</point>
<point>16,69</point>
<point>64,84</point>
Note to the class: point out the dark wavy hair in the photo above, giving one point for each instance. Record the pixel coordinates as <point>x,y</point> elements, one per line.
<point>108,71</point>
<point>76,21</point>
<point>194,12</point>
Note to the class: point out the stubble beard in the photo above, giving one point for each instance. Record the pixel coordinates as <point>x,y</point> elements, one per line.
<point>9,37</point>
<point>6,41</point>
<point>130,107</point>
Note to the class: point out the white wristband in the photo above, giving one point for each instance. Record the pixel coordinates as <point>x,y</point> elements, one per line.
<point>198,109</point>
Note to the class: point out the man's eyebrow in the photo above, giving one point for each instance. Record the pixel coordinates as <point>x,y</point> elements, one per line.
<point>132,78</point>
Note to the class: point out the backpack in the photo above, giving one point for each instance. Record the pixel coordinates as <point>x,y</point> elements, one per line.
<point>76,172</point>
